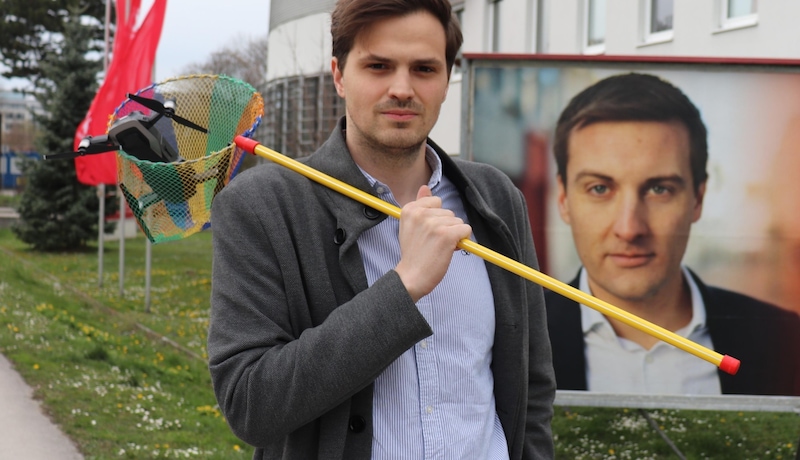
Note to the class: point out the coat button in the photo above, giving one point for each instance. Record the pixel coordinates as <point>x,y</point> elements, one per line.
<point>339,236</point>
<point>371,214</point>
<point>357,424</point>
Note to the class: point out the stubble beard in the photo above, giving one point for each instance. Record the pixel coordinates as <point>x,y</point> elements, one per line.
<point>396,147</point>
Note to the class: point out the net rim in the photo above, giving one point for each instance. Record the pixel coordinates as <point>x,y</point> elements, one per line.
<point>247,133</point>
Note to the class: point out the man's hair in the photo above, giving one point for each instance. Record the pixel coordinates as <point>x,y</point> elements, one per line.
<point>352,16</point>
<point>633,97</point>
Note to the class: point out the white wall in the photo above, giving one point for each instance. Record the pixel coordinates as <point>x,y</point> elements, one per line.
<point>300,47</point>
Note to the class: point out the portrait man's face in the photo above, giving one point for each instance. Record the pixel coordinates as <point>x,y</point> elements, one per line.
<point>394,81</point>
<point>630,202</point>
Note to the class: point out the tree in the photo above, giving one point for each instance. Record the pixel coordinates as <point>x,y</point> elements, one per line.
<point>28,26</point>
<point>56,211</point>
<point>245,60</point>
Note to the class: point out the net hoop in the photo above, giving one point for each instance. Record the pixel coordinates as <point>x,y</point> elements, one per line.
<point>173,200</point>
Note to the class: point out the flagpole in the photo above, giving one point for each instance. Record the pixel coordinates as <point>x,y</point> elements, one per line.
<point>122,206</point>
<point>101,188</point>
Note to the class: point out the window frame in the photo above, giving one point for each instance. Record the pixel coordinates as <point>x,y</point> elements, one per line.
<point>737,22</point>
<point>592,49</point>
<point>648,36</point>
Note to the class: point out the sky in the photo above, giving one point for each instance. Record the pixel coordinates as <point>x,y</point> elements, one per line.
<point>193,29</point>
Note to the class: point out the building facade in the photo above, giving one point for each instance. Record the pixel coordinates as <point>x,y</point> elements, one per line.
<point>302,104</point>
<point>16,121</point>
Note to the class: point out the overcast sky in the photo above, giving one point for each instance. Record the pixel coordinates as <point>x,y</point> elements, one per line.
<point>193,29</point>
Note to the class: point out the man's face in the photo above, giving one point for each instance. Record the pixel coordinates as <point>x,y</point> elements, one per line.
<point>629,199</point>
<point>394,82</point>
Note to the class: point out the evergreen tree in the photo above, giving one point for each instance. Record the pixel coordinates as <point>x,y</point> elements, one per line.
<point>56,211</point>
<point>26,28</point>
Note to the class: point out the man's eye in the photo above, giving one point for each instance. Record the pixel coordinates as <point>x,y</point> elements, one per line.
<point>659,189</point>
<point>598,189</point>
<point>377,66</point>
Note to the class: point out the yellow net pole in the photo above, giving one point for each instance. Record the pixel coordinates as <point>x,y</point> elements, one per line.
<point>726,363</point>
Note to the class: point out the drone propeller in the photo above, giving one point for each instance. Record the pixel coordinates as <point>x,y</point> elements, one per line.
<point>89,146</point>
<point>167,109</point>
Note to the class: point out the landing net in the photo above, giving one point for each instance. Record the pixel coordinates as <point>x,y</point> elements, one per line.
<point>173,200</point>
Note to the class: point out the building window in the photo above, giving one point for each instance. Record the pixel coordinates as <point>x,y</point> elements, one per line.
<point>738,13</point>
<point>595,26</point>
<point>493,26</point>
<point>658,21</point>
<point>458,12</point>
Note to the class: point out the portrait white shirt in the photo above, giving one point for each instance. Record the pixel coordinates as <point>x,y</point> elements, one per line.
<point>618,365</point>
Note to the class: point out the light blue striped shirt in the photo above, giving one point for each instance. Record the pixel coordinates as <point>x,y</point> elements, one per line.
<point>436,401</point>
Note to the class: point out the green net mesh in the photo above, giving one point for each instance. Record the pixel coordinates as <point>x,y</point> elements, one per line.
<point>173,200</point>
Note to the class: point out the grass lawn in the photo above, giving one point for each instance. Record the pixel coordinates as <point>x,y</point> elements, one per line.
<point>126,383</point>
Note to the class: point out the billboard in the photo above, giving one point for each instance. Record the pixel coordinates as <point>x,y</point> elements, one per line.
<point>746,241</point>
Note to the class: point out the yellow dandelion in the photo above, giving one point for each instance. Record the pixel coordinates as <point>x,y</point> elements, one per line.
<point>611,451</point>
<point>36,367</point>
<point>236,447</point>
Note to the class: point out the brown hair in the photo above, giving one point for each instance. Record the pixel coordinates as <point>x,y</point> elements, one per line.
<point>352,16</point>
<point>633,97</point>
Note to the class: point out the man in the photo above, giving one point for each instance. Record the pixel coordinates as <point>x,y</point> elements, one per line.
<point>631,155</point>
<point>339,333</point>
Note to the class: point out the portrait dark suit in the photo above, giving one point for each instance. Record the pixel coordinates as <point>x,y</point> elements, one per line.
<point>765,338</point>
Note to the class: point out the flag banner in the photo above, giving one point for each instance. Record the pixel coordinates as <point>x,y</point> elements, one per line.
<point>135,43</point>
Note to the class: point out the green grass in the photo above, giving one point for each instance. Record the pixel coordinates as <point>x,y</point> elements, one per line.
<point>610,433</point>
<point>103,369</point>
<point>95,358</point>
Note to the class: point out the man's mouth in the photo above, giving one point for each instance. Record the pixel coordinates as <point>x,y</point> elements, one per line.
<point>399,115</point>
<point>631,259</point>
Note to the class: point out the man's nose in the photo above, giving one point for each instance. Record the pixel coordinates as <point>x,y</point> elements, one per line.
<point>401,86</point>
<point>631,219</point>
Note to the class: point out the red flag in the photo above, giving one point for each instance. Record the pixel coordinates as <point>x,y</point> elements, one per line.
<point>130,70</point>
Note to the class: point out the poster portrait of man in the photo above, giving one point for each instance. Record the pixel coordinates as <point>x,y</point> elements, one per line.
<point>663,188</point>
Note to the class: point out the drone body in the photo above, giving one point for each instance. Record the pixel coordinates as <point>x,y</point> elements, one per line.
<point>136,134</point>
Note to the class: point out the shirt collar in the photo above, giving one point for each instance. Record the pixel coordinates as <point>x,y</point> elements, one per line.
<point>591,318</point>
<point>433,161</point>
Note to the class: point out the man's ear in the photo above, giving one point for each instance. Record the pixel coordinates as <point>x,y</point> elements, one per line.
<point>563,205</point>
<point>698,204</point>
<point>337,77</point>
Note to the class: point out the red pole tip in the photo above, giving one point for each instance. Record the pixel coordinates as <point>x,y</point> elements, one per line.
<point>246,143</point>
<point>729,364</point>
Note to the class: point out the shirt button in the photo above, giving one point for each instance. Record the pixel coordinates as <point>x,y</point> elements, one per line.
<point>649,359</point>
<point>429,409</point>
<point>423,344</point>
<point>380,189</point>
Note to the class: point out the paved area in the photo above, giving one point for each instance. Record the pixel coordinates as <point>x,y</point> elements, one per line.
<point>26,433</point>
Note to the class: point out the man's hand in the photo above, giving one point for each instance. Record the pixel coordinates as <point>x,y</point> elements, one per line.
<point>428,236</point>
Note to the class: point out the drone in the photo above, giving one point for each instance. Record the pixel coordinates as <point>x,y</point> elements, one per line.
<point>136,134</point>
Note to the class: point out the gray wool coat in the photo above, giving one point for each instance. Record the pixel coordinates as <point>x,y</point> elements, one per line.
<point>296,337</point>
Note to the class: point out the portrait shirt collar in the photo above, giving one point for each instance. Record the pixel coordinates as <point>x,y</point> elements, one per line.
<point>591,318</point>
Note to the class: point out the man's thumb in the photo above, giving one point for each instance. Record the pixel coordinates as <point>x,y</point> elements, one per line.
<point>423,192</point>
